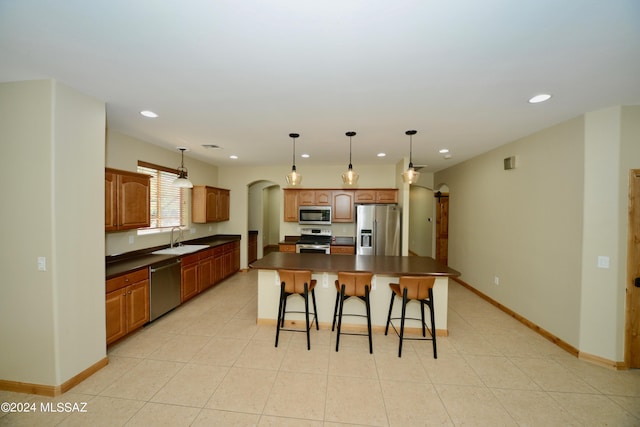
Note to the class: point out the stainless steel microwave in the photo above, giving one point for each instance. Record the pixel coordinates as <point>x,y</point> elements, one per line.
<point>315,215</point>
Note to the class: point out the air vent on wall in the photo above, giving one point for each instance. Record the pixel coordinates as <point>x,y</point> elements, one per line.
<point>510,163</point>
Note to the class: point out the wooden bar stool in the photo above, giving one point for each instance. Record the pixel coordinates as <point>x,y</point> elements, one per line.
<point>352,285</point>
<point>296,282</point>
<point>419,288</point>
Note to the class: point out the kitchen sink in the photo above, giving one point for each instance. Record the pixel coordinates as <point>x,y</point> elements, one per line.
<point>180,250</point>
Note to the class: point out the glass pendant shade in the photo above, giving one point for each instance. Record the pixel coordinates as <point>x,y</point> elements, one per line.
<point>410,176</point>
<point>182,181</point>
<point>350,177</point>
<point>293,178</point>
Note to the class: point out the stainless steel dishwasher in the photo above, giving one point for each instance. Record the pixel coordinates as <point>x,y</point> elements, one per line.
<point>164,287</point>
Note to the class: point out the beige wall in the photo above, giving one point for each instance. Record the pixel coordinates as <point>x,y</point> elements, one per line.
<point>51,322</point>
<point>123,152</point>
<point>541,227</point>
<point>523,226</point>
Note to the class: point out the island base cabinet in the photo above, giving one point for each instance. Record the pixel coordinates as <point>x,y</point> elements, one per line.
<point>127,307</point>
<point>268,299</point>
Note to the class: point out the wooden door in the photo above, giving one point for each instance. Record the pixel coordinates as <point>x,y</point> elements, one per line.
<point>291,205</point>
<point>137,305</point>
<point>632,327</point>
<point>442,228</point>
<point>189,283</point>
<point>342,206</point>
<point>212,205</point>
<point>110,202</point>
<point>116,318</point>
<point>133,202</point>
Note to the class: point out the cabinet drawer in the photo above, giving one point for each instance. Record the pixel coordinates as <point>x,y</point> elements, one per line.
<point>344,250</point>
<point>127,279</point>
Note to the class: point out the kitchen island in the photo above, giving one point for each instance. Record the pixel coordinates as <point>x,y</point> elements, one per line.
<point>325,268</point>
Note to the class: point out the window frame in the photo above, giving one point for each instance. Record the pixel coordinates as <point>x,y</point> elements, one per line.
<point>182,199</point>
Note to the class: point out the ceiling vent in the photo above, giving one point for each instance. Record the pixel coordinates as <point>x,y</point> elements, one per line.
<point>212,146</point>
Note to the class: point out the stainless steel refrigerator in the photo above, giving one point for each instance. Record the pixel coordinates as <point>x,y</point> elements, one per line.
<point>378,230</point>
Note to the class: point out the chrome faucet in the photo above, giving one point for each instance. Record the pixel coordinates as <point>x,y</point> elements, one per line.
<point>178,240</point>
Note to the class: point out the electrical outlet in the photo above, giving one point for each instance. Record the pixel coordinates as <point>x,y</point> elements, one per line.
<point>131,240</point>
<point>192,230</point>
<point>496,280</point>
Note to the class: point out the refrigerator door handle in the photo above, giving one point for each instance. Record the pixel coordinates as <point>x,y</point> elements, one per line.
<point>374,238</point>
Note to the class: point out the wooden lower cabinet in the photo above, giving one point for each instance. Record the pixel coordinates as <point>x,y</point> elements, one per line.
<point>344,250</point>
<point>204,269</point>
<point>189,277</point>
<point>287,247</point>
<point>127,304</point>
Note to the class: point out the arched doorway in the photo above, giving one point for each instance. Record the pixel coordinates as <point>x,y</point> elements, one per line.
<point>263,216</point>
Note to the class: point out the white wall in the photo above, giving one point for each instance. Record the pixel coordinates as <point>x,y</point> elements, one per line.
<point>51,322</point>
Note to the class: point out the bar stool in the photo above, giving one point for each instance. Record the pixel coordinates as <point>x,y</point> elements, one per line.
<point>296,282</point>
<point>352,285</point>
<point>419,288</point>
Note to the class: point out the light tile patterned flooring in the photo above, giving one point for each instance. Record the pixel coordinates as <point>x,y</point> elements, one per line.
<point>208,364</point>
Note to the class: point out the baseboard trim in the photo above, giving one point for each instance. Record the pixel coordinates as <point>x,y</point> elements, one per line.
<point>544,333</point>
<point>50,390</point>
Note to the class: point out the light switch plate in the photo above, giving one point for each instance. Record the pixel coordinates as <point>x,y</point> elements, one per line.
<point>42,263</point>
<point>603,262</point>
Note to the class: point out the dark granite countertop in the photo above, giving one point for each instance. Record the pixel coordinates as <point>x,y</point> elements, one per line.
<point>388,265</point>
<point>131,261</point>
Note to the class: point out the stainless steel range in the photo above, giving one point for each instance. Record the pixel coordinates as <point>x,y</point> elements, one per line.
<point>314,240</point>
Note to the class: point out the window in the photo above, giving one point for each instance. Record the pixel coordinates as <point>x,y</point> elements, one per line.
<point>167,201</point>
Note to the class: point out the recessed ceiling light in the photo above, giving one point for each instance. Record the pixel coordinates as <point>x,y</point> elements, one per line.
<point>381,154</point>
<point>443,151</point>
<point>148,113</point>
<point>539,98</point>
<point>305,156</point>
<point>233,156</point>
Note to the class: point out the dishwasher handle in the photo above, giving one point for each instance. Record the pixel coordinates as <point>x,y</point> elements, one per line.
<point>172,264</point>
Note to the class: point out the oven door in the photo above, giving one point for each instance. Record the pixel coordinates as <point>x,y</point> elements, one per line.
<point>313,249</point>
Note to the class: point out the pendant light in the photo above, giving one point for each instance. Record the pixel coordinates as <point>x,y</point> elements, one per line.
<point>350,177</point>
<point>294,178</point>
<point>410,176</point>
<point>182,181</point>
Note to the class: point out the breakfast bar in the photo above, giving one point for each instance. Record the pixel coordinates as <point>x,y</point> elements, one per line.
<point>325,268</point>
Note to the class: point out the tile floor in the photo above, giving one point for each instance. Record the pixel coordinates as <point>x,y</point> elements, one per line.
<point>208,364</point>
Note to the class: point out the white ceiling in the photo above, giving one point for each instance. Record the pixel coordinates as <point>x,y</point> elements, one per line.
<point>243,74</point>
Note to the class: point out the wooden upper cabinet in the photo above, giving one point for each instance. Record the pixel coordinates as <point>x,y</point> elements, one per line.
<point>290,205</point>
<point>127,200</point>
<point>314,197</point>
<point>342,206</point>
<point>209,204</point>
<point>389,195</point>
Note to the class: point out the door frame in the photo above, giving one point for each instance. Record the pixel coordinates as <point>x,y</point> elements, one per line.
<point>633,260</point>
